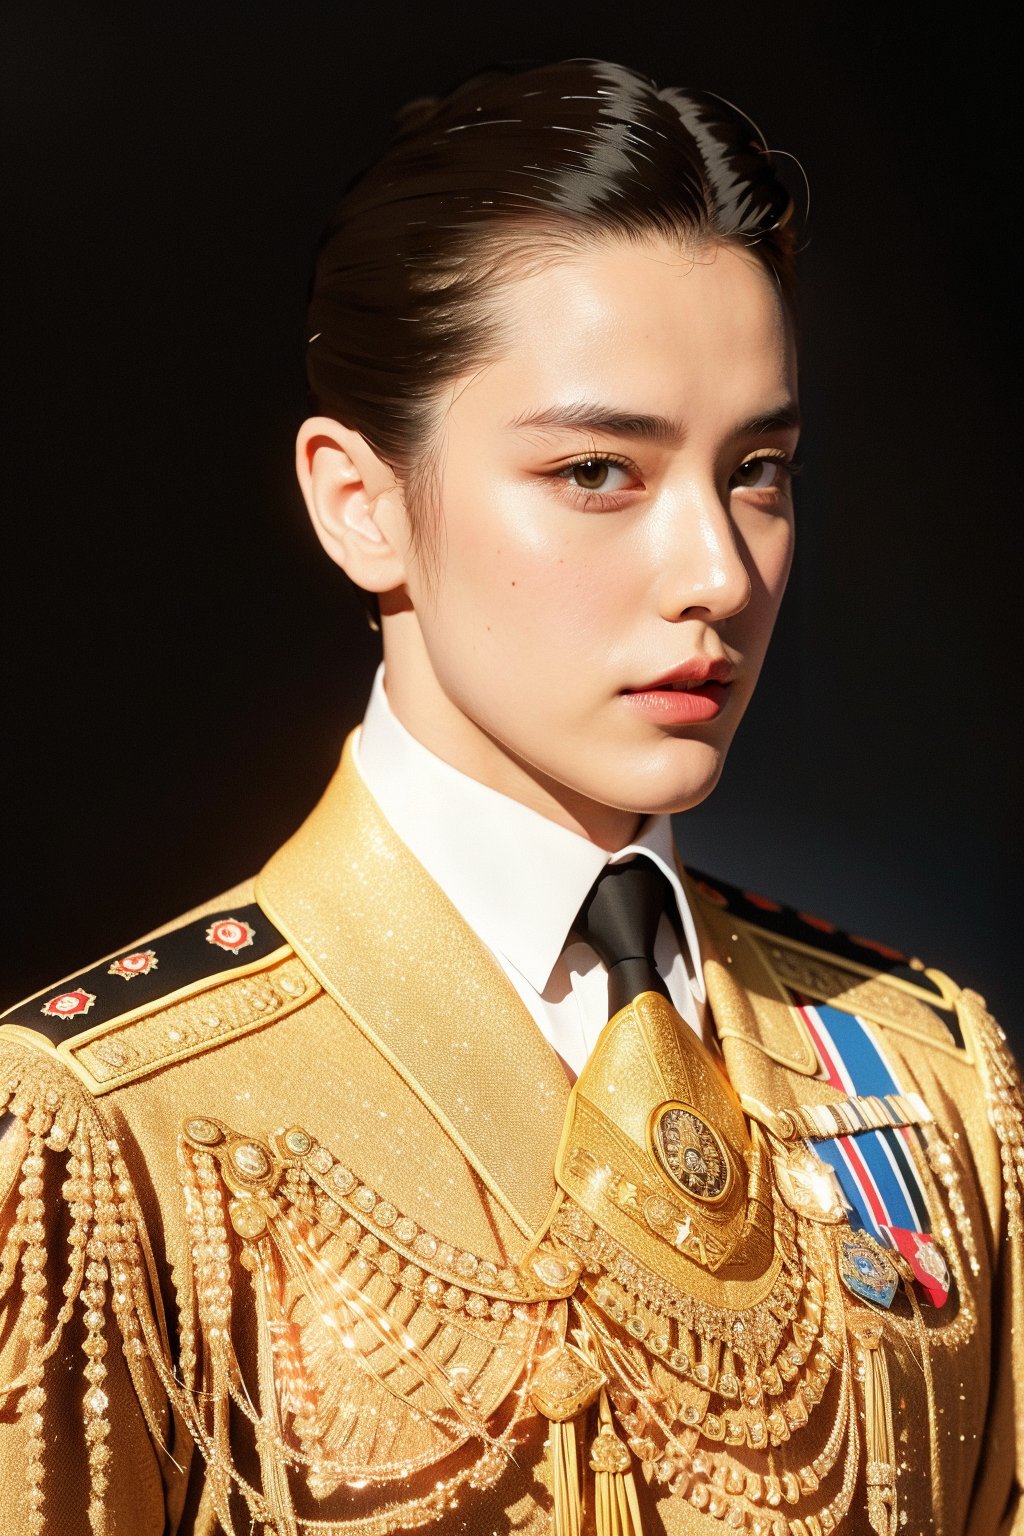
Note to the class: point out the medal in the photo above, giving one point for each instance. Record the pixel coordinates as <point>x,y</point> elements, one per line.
<point>865,1270</point>
<point>926,1259</point>
<point>809,1186</point>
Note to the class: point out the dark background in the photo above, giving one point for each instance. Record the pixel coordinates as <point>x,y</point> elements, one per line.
<point>181,663</point>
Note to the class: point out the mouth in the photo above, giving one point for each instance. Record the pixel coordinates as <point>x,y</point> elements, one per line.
<point>691,694</point>
<point>688,677</point>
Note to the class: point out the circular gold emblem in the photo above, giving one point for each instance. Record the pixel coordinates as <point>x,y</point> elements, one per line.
<point>690,1152</point>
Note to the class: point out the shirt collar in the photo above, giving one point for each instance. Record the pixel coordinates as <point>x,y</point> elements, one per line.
<point>517,877</point>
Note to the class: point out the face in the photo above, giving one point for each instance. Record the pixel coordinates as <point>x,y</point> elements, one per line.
<point>615,532</point>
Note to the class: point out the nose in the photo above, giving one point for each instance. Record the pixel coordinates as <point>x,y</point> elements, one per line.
<point>702,565</point>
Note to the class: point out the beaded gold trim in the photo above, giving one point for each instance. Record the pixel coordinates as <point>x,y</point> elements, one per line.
<point>698,1388</point>
<point>1005,1097</point>
<point>352,1332</point>
<point>306,1175</point>
<point>106,1270</point>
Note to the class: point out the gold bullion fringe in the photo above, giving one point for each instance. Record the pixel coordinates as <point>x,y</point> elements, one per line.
<point>616,1508</point>
<point>1005,1101</point>
<point>879,1440</point>
<point>275,1474</point>
<point>106,1271</point>
<point>204,1198</point>
<point>109,1275</point>
<point>567,1496</point>
<point>690,1452</point>
<point>1005,1096</point>
<point>332,1296</point>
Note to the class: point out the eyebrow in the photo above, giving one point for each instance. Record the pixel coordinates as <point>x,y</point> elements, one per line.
<point>584,416</point>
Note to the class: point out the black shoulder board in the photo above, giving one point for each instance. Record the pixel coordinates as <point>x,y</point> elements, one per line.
<point>213,947</point>
<point>788,923</point>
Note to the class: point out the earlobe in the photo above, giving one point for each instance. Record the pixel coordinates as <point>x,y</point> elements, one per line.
<point>354,502</point>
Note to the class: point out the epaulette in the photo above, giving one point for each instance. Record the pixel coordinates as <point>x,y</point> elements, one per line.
<point>804,929</point>
<point>152,1005</point>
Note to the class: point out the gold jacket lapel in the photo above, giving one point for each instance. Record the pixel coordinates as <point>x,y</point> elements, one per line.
<point>747,1003</point>
<point>389,947</point>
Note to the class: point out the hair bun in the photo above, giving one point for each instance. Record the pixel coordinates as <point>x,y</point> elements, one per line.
<point>415,113</point>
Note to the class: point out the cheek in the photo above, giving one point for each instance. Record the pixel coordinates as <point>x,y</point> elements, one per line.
<point>521,577</point>
<point>773,558</point>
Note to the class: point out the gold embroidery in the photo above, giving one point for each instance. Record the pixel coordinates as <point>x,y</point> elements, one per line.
<point>709,1372</point>
<point>717,1349</point>
<point>884,1002</point>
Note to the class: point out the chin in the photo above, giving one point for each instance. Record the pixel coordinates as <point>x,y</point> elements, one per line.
<point>666,788</point>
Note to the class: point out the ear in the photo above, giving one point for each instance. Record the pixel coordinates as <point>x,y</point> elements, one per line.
<point>354,502</point>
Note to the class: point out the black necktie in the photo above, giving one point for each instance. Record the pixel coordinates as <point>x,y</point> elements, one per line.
<point>619,919</point>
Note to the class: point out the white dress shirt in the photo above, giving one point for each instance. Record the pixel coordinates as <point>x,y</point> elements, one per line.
<point>519,881</point>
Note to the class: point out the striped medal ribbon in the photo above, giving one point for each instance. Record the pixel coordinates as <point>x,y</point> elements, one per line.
<point>876,1166</point>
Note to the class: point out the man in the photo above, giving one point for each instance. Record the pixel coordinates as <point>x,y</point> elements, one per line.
<point>476,1164</point>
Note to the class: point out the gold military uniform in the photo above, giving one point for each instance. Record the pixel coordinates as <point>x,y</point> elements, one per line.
<point>313,1236</point>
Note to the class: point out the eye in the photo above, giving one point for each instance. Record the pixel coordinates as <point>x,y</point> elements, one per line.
<point>763,474</point>
<point>595,475</point>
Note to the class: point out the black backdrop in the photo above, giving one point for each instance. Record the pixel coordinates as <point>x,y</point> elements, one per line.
<point>181,664</point>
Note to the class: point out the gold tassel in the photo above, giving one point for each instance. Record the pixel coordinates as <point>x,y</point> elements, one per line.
<point>880,1445</point>
<point>565,1386</point>
<point>616,1509</point>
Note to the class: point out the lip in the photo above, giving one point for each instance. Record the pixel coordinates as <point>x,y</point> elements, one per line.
<point>699,669</point>
<point>690,694</point>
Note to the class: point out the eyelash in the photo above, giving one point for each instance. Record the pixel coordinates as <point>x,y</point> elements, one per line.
<point>789,466</point>
<point>578,492</point>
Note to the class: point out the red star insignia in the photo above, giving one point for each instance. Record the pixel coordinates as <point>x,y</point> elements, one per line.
<point>67,1004</point>
<point>230,934</point>
<point>139,964</point>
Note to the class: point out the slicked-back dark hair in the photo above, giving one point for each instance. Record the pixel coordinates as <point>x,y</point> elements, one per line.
<point>512,169</point>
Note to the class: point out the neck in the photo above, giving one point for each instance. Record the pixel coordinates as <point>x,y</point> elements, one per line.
<point>427,713</point>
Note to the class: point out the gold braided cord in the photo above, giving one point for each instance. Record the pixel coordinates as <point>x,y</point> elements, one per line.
<point>1005,1096</point>
<point>879,1441</point>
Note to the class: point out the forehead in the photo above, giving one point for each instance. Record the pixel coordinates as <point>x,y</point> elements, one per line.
<point>700,334</point>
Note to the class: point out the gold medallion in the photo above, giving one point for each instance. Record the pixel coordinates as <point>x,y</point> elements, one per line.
<point>690,1152</point>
